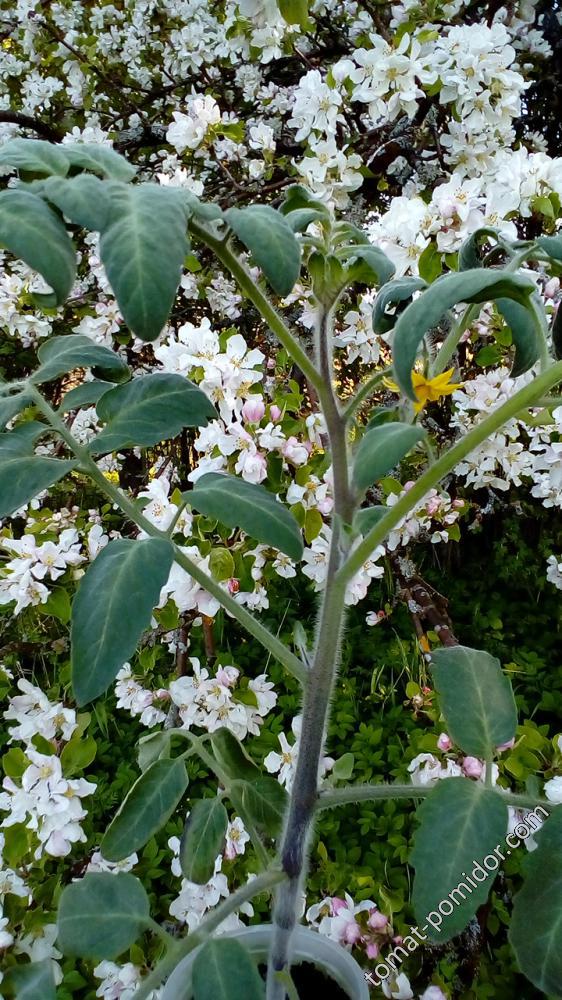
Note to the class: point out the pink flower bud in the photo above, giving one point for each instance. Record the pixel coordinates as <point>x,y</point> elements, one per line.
<point>377,921</point>
<point>233,585</point>
<point>271,363</point>
<point>398,939</point>
<point>352,933</point>
<point>372,950</point>
<point>472,767</point>
<point>444,743</point>
<point>551,288</point>
<point>274,413</point>
<point>253,409</point>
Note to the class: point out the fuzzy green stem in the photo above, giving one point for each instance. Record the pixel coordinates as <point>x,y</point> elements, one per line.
<point>446,463</point>
<point>354,794</point>
<point>304,791</point>
<point>131,511</point>
<point>253,292</point>
<point>344,501</point>
<point>318,689</point>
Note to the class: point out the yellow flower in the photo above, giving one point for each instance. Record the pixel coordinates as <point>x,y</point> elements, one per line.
<point>428,390</point>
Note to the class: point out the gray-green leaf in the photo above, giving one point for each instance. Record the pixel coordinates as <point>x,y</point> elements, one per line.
<point>536,924</point>
<point>395,293</point>
<point>297,197</point>
<point>143,248</point>
<point>520,321</point>
<point>202,839</point>
<point>462,823</point>
<point>112,609</point>
<point>102,915</point>
<point>300,219</point>
<point>21,479</point>
<point>477,285</point>
<point>86,394</point>
<point>552,245</point>
<point>367,517</point>
<point>100,160</point>
<point>153,746</point>
<point>555,331</point>
<point>476,699</point>
<point>367,264</point>
<point>381,449</point>
<point>31,982</point>
<point>148,410</point>
<point>265,801</point>
<point>271,241</point>
<point>60,355</point>
<point>10,406</point>
<point>148,806</point>
<point>468,253</point>
<point>239,504</point>
<point>83,199</point>
<point>35,156</point>
<point>223,970</point>
<point>19,442</point>
<point>232,757</point>
<point>31,230</point>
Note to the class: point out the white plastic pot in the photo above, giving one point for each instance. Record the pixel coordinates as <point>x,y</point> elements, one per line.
<point>307,946</point>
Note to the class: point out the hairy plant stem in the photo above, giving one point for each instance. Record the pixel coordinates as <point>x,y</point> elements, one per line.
<point>319,685</point>
<point>446,463</point>
<point>344,501</point>
<point>304,793</point>
<point>131,511</point>
<point>267,310</point>
<point>179,949</point>
<point>373,793</point>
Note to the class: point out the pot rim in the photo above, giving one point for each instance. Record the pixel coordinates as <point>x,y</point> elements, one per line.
<point>307,946</point>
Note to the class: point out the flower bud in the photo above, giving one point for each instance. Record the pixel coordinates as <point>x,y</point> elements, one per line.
<point>377,921</point>
<point>472,767</point>
<point>253,409</point>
